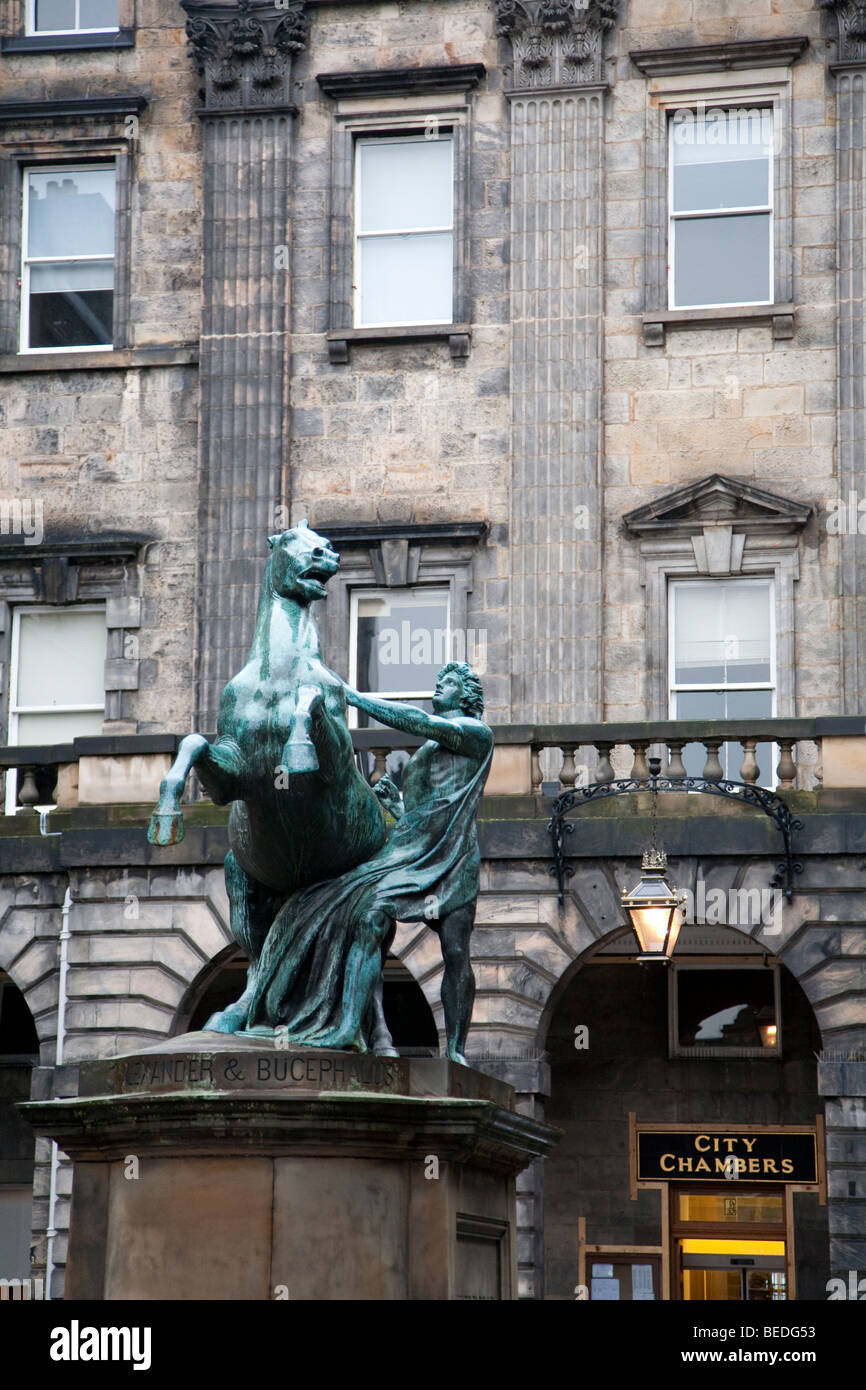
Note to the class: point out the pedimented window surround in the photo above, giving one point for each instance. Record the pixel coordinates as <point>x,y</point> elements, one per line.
<point>78,573</point>
<point>718,527</point>
<point>395,556</point>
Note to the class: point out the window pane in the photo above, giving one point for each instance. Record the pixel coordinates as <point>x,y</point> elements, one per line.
<point>67,309</point>
<point>71,213</point>
<point>97,14</point>
<point>699,646</point>
<point>74,276</point>
<point>71,320</point>
<point>58,728</point>
<point>722,160</point>
<point>758,1207</point>
<point>727,704</point>
<point>405,184</point>
<point>61,659</point>
<point>402,640</point>
<point>406,279</point>
<point>724,1008</point>
<point>722,260</point>
<point>55,14</point>
<point>722,633</point>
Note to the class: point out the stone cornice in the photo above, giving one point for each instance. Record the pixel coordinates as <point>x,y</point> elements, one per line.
<point>69,108</point>
<point>244,51</point>
<point>719,57</point>
<point>387,82</point>
<point>556,43</point>
<point>850,25</point>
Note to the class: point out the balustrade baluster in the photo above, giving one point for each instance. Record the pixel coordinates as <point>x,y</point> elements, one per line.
<point>380,760</point>
<point>787,769</point>
<point>536,773</point>
<point>640,767</point>
<point>676,766</point>
<point>28,792</point>
<point>568,771</point>
<point>604,771</point>
<point>713,770</point>
<point>750,771</point>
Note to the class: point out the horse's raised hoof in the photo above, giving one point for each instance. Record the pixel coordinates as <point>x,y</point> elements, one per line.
<point>300,757</point>
<point>458,1058</point>
<point>166,828</point>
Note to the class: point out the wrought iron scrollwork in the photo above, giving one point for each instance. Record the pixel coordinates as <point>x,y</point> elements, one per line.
<point>747,795</point>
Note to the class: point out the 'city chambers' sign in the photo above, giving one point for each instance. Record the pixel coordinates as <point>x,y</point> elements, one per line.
<point>693,1154</point>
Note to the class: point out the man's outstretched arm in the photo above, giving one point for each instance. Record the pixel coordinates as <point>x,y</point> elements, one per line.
<point>409,720</point>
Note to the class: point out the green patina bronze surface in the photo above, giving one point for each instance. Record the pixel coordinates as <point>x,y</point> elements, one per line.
<point>315,885</point>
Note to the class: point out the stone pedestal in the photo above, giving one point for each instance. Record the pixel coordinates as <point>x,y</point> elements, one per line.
<point>215,1167</point>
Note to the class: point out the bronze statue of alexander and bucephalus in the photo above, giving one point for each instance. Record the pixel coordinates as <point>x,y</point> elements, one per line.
<point>316,882</point>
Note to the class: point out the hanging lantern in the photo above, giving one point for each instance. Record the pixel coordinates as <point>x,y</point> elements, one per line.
<point>655,909</point>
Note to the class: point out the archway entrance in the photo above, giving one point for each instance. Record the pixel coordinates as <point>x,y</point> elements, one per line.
<point>691,1161</point>
<point>19,1053</point>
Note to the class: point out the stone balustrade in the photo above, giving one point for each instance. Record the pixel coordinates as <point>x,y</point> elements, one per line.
<point>804,754</point>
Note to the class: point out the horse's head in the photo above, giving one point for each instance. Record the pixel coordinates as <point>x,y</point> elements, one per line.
<point>301,562</point>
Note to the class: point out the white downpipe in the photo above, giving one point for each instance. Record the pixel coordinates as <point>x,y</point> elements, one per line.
<point>61,1035</point>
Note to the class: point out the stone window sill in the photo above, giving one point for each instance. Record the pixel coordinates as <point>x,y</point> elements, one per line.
<point>459,337</point>
<point>65,43</point>
<point>780,317</point>
<point>171,356</point>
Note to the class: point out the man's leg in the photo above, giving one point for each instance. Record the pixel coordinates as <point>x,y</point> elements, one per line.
<point>458,981</point>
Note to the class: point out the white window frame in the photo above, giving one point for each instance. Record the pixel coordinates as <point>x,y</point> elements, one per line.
<point>768,775</point>
<point>395,136</point>
<point>380,591</point>
<point>32,31</point>
<point>15,710</point>
<point>683,687</point>
<point>674,217</point>
<point>28,261</point>
<point>720,1053</point>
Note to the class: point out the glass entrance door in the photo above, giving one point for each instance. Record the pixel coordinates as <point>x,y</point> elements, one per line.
<point>729,1245</point>
<point>733,1270</point>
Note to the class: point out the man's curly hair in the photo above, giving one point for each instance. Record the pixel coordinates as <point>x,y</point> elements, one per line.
<point>472,702</point>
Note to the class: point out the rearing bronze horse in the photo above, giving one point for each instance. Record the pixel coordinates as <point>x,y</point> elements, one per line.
<point>282,723</point>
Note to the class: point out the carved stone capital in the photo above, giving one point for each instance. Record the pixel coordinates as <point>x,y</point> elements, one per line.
<point>850,17</point>
<point>556,43</point>
<point>244,51</point>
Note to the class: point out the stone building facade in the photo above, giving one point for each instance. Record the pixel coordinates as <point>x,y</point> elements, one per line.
<point>579,441</point>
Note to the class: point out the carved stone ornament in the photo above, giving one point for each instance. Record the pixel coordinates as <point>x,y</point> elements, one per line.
<point>556,43</point>
<point>244,51</point>
<point>851,20</point>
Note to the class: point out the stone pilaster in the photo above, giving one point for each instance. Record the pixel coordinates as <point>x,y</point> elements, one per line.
<point>557,112</point>
<point>244,54</point>
<point>849,74</point>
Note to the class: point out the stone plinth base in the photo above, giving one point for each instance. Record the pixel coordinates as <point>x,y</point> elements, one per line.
<point>221,1167</point>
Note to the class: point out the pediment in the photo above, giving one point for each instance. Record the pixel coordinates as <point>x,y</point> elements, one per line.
<point>717,500</point>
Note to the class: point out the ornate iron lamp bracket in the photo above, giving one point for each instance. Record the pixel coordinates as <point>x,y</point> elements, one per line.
<point>746,794</point>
